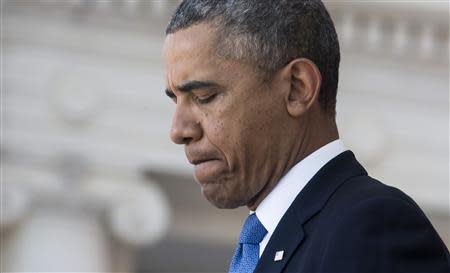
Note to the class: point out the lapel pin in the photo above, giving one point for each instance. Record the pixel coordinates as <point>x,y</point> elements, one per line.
<point>278,256</point>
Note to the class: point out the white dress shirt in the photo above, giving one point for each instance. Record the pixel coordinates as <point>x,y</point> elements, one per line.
<point>275,205</point>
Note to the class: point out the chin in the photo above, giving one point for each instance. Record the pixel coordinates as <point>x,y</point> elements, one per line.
<point>216,196</point>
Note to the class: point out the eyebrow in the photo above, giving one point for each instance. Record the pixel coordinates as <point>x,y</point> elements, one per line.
<point>192,85</point>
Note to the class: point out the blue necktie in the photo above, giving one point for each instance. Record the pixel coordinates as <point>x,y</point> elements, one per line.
<point>246,254</point>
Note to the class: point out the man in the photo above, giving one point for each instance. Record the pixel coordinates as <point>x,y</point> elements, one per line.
<point>254,83</point>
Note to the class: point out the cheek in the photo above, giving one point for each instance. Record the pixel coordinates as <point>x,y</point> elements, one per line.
<point>214,128</point>
<point>223,131</point>
<point>241,129</point>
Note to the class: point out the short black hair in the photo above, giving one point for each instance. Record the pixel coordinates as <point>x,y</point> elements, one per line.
<point>270,34</point>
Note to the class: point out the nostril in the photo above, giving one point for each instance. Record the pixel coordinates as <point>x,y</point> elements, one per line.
<point>187,140</point>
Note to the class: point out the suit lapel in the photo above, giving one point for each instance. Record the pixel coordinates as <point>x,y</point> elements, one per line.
<point>289,233</point>
<point>287,237</point>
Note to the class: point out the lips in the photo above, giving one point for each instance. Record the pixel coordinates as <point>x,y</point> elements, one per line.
<point>207,166</point>
<point>198,161</point>
<point>196,157</point>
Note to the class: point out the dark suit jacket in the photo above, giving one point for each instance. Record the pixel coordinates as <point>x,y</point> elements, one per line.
<point>346,221</point>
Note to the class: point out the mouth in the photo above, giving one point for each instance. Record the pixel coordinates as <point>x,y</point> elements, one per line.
<point>196,162</point>
<point>206,171</point>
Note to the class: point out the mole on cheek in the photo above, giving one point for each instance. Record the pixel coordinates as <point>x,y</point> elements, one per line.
<point>218,127</point>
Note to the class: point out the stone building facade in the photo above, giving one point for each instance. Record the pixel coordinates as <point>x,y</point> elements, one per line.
<point>89,178</point>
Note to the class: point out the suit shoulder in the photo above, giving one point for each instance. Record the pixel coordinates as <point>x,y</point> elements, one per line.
<point>361,189</point>
<point>366,193</point>
<point>366,218</point>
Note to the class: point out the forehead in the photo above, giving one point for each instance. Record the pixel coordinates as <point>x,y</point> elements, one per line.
<point>189,52</point>
<point>191,55</point>
<point>190,41</point>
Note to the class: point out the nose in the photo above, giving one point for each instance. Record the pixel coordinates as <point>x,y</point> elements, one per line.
<point>185,128</point>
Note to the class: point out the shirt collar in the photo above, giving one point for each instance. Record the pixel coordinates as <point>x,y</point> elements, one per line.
<point>274,206</point>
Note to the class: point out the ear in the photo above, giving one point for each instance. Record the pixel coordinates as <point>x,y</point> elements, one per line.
<point>305,82</point>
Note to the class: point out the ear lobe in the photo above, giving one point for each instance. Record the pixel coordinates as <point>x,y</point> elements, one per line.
<point>305,79</point>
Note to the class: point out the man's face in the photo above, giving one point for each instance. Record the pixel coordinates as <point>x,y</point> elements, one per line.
<point>229,121</point>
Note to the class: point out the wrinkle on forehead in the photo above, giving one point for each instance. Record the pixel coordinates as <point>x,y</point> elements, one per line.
<point>189,54</point>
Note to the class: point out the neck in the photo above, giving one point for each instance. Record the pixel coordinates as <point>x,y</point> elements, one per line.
<point>315,134</point>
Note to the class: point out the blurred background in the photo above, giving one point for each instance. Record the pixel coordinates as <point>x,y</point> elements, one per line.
<point>89,178</point>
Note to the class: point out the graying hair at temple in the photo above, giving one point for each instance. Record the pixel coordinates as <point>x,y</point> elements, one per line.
<point>269,34</point>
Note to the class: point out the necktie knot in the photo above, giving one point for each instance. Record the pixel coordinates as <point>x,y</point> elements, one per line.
<point>253,231</point>
<point>246,255</point>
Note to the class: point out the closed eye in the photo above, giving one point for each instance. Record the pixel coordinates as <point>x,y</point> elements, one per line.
<point>171,95</point>
<point>205,100</point>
